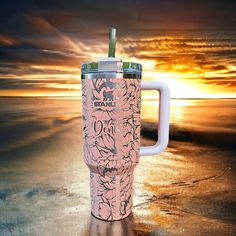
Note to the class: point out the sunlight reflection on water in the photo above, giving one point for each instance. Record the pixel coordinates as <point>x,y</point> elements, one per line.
<point>202,113</point>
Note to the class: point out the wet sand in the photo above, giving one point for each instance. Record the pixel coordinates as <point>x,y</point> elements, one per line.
<point>44,189</point>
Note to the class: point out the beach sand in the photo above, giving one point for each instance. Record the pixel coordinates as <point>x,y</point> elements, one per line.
<point>44,189</point>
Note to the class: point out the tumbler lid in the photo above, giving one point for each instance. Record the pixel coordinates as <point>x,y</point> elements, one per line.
<point>125,67</point>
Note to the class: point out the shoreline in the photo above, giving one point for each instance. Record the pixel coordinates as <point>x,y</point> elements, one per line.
<point>178,133</point>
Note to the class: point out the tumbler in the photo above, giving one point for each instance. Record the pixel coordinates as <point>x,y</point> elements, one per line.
<point>111,104</point>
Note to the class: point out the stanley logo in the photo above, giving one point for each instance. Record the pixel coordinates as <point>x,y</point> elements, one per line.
<point>104,104</point>
<point>108,100</point>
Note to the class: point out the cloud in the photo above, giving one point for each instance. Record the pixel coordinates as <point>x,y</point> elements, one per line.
<point>6,40</point>
<point>131,16</point>
<point>12,84</point>
<point>27,53</point>
<point>47,40</point>
<point>221,81</point>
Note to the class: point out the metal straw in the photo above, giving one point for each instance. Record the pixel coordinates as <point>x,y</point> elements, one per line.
<point>112,42</point>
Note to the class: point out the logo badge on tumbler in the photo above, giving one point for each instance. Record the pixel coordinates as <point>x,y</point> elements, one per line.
<point>107,94</point>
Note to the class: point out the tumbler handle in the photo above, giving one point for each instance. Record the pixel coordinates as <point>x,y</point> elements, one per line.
<point>164,110</point>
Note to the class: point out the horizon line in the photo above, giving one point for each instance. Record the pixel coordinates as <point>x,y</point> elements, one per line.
<point>175,98</point>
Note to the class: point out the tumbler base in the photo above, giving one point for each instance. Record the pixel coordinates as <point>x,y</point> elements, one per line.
<point>99,218</point>
<point>111,196</point>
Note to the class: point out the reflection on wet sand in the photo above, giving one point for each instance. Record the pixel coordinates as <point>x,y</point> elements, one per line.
<point>116,228</point>
<point>44,184</point>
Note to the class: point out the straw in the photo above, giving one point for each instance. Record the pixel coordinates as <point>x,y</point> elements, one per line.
<point>112,42</point>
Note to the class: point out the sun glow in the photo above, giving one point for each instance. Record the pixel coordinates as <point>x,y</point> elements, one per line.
<point>186,65</point>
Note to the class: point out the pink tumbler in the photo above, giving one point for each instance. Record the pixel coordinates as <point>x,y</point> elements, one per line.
<point>111,100</point>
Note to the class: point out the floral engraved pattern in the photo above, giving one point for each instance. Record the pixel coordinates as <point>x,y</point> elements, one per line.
<point>111,132</point>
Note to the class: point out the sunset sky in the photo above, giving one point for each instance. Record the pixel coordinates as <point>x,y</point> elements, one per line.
<point>189,45</point>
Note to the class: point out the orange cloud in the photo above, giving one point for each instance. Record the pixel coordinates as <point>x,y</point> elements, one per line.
<point>7,41</point>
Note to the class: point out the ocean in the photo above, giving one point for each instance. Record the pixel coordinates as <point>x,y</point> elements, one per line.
<point>205,121</point>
